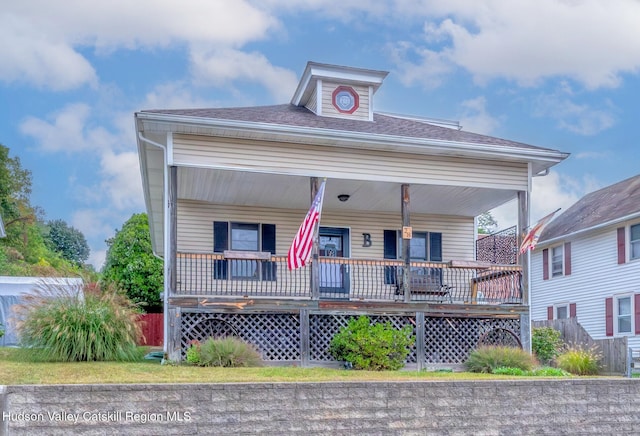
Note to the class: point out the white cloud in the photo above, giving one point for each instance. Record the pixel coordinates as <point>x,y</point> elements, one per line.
<point>65,131</point>
<point>577,118</point>
<point>121,183</point>
<point>224,66</point>
<point>475,117</point>
<point>590,41</point>
<point>42,39</point>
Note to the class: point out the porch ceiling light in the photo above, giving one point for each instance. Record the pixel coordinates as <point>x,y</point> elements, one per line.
<point>343,197</point>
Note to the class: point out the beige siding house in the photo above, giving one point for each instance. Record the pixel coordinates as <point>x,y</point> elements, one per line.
<point>226,190</point>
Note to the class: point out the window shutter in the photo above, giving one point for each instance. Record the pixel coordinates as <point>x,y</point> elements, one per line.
<point>269,269</point>
<point>636,310</point>
<point>545,264</point>
<point>608,314</point>
<point>220,243</point>
<point>435,247</point>
<point>220,236</point>
<point>269,238</point>
<point>567,258</point>
<point>572,310</point>
<point>390,252</point>
<point>550,313</point>
<point>622,252</point>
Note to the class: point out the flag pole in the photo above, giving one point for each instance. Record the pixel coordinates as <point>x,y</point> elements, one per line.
<point>315,266</point>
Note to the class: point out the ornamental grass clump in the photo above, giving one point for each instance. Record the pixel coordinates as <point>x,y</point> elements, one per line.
<point>374,347</point>
<point>487,359</point>
<point>580,361</point>
<point>71,323</point>
<point>227,352</point>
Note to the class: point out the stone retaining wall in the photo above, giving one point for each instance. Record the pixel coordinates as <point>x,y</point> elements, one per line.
<point>506,407</point>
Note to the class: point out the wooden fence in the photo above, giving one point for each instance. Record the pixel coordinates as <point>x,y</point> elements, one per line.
<point>614,351</point>
<point>152,329</point>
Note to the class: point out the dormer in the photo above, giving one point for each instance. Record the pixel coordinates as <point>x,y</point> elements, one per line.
<point>336,91</point>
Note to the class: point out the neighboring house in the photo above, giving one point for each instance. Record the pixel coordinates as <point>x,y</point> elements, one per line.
<point>587,264</point>
<point>226,190</point>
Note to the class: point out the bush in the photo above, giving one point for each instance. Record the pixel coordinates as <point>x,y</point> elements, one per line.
<point>546,344</point>
<point>78,323</point>
<point>580,361</point>
<point>1,330</point>
<point>228,352</point>
<point>538,372</point>
<point>488,358</point>
<point>376,347</point>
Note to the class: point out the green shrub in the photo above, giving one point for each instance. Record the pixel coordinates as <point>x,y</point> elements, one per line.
<point>547,371</point>
<point>78,323</point>
<point>538,372</point>
<point>580,361</point>
<point>228,352</point>
<point>487,358</point>
<point>1,330</point>
<point>503,370</point>
<point>546,344</point>
<point>375,347</point>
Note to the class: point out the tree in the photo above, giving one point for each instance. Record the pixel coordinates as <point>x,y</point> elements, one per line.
<point>487,223</point>
<point>68,241</point>
<point>131,265</point>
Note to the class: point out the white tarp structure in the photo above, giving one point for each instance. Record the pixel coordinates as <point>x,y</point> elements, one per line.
<point>11,291</point>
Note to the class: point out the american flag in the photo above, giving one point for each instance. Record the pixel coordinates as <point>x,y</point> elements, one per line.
<point>529,242</point>
<point>300,249</point>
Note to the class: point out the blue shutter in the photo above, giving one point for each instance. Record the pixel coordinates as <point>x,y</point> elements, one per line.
<point>269,270</point>
<point>220,243</point>
<point>390,252</point>
<point>435,247</point>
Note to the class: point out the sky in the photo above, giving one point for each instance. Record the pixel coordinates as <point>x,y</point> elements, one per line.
<point>560,74</point>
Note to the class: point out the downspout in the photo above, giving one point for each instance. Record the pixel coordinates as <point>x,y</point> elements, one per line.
<point>165,293</point>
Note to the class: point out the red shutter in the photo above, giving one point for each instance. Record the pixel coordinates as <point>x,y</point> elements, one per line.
<point>550,312</point>
<point>622,252</point>
<point>636,309</point>
<point>567,258</point>
<point>608,315</point>
<point>572,310</point>
<point>545,264</point>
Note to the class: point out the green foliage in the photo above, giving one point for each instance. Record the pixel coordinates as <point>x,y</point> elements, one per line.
<point>68,241</point>
<point>487,358</point>
<point>1,330</point>
<point>131,265</point>
<point>228,352</point>
<point>376,347</point>
<point>487,223</point>
<point>546,344</point>
<point>68,322</point>
<point>580,361</point>
<point>537,372</point>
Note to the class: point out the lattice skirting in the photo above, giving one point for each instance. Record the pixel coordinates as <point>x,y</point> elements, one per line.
<point>303,337</point>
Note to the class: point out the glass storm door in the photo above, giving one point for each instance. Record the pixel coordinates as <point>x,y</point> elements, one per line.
<point>334,276</point>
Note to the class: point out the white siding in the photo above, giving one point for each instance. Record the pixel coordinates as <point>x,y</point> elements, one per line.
<point>195,228</point>
<point>595,275</point>
<point>312,104</point>
<point>362,113</point>
<point>350,164</point>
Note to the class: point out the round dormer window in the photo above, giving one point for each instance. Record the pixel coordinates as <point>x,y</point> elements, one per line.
<point>345,99</point>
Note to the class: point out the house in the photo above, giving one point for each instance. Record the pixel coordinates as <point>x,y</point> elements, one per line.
<point>587,264</point>
<point>226,190</point>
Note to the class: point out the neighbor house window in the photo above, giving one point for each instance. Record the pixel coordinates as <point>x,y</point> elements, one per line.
<point>623,314</point>
<point>562,312</point>
<point>557,255</point>
<point>634,240</point>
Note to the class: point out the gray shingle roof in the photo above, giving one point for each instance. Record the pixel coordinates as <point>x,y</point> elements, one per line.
<point>295,116</point>
<point>600,207</point>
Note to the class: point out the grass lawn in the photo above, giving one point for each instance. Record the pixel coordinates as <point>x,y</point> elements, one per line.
<point>17,369</point>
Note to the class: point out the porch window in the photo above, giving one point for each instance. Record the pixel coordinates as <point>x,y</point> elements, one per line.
<point>623,314</point>
<point>634,240</point>
<point>557,255</point>
<point>244,237</point>
<point>424,246</point>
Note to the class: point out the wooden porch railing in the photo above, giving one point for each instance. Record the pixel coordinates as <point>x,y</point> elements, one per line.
<point>458,282</point>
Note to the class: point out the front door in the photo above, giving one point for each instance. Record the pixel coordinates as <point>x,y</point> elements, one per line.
<point>333,244</point>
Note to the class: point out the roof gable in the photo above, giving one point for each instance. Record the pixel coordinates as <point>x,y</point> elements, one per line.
<point>607,205</point>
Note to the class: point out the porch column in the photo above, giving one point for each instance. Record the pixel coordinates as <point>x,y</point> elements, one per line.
<point>172,328</point>
<point>523,260</point>
<point>314,279</point>
<point>406,242</point>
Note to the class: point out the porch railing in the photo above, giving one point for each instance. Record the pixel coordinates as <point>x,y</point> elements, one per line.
<point>354,279</point>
